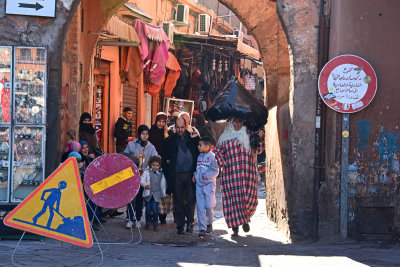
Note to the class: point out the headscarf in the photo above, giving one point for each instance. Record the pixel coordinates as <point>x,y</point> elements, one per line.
<point>82,143</point>
<point>74,154</point>
<point>241,135</point>
<point>73,146</point>
<point>156,135</point>
<point>142,128</point>
<point>86,127</point>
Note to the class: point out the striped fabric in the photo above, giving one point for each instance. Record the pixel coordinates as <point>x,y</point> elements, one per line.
<point>238,182</point>
<point>166,205</point>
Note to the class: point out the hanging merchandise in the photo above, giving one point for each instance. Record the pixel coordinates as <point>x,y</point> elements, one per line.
<point>154,45</point>
<point>220,66</point>
<point>174,71</point>
<point>249,82</point>
<point>234,101</point>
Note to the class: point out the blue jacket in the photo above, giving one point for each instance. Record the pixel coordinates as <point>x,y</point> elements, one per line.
<point>207,169</point>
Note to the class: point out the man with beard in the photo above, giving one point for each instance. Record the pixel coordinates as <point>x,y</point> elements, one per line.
<point>179,162</point>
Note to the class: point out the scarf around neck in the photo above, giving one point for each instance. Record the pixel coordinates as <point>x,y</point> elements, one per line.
<point>87,127</point>
<point>241,135</point>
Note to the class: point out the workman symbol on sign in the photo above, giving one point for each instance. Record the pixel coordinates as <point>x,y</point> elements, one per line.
<point>53,198</point>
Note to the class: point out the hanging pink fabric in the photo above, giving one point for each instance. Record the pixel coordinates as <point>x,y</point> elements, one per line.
<point>154,53</point>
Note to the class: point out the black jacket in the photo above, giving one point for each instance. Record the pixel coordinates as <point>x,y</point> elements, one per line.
<point>170,154</point>
<point>122,130</point>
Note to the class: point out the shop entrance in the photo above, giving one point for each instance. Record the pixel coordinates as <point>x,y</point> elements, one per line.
<point>22,120</point>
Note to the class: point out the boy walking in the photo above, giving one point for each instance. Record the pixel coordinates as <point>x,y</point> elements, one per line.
<point>205,178</point>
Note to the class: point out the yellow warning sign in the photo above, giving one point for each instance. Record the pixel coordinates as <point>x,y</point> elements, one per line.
<point>56,209</point>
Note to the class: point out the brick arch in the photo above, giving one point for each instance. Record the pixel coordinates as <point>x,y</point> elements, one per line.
<point>287,39</point>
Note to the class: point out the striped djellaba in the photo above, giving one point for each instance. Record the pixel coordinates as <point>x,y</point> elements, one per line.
<point>238,182</point>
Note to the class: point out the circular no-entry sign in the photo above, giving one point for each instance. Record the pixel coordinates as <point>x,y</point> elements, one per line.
<point>347,83</point>
<point>111,181</point>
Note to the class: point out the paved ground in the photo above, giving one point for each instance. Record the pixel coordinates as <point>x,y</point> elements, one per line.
<point>262,246</point>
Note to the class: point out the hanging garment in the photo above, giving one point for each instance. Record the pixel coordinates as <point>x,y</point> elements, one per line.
<point>174,71</point>
<point>249,82</point>
<point>154,45</point>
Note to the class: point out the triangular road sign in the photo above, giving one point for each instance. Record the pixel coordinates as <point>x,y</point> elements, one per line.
<point>56,208</point>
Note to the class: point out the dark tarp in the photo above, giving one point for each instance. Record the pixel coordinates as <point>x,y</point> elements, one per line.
<point>234,101</point>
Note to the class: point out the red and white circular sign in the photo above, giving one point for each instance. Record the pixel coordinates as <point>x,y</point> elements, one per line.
<point>111,181</point>
<point>347,83</point>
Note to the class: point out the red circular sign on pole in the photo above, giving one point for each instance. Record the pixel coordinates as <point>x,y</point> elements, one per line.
<point>347,83</point>
<point>112,181</point>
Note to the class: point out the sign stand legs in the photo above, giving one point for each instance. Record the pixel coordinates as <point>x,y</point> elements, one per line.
<point>108,236</point>
<point>344,175</point>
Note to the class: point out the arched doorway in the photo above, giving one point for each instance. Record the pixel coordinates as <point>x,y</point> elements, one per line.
<point>291,88</point>
<point>281,38</point>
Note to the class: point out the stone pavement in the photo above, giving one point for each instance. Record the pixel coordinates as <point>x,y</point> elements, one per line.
<point>262,246</point>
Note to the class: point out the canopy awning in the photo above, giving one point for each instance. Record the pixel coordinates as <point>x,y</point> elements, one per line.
<point>229,43</point>
<point>118,29</point>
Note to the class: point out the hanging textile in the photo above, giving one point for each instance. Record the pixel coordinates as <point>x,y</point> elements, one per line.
<point>154,45</point>
<point>172,76</point>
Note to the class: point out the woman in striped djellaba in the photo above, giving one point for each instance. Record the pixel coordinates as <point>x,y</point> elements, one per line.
<point>238,175</point>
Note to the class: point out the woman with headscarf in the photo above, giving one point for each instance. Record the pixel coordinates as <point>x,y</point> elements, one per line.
<point>238,177</point>
<point>157,134</point>
<point>88,134</point>
<point>142,150</point>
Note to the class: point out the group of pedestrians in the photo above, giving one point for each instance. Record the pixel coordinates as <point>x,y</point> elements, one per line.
<point>178,167</point>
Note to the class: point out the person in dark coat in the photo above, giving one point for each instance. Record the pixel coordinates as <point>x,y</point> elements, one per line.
<point>179,162</point>
<point>158,132</point>
<point>123,130</point>
<point>88,134</point>
<point>157,135</point>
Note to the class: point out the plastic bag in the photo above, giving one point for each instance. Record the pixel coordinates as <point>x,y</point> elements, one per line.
<point>234,101</point>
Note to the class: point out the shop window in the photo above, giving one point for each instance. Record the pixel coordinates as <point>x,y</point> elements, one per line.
<point>40,54</point>
<point>25,54</point>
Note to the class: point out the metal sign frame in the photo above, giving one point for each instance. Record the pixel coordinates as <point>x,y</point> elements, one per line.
<point>12,124</point>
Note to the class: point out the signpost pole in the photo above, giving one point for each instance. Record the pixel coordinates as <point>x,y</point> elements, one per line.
<point>344,175</point>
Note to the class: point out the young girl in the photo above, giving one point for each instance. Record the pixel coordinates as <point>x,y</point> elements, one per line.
<point>154,184</point>
<point>142,150</point>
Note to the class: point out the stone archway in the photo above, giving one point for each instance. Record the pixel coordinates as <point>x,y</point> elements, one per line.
<point>291,89</point>
<point>287,41</point>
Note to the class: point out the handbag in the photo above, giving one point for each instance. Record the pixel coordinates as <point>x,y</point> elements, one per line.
<point>146,193</point>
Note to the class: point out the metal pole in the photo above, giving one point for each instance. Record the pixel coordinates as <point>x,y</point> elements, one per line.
<point>344,175</point>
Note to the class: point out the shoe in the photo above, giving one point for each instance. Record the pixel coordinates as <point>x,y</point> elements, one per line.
<point>147,227</point>
<point>180,230</point>
<point>202,233</point>
<point>246,227</point>
<point>163,218</point>
<point>209,228</point>
<point>235,231</point>
<point>129,225</point>
<point>102,220</point>
<point>155,227</point>
<point>189,228</point>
